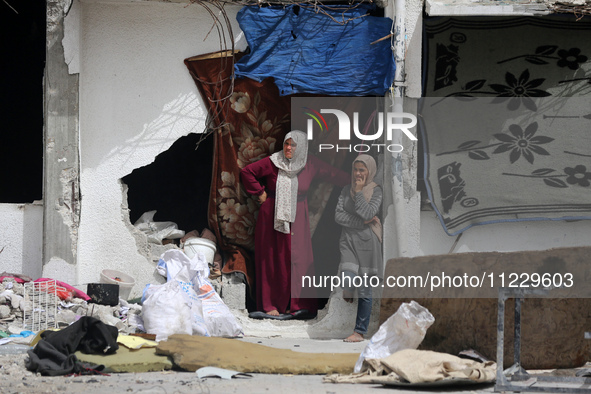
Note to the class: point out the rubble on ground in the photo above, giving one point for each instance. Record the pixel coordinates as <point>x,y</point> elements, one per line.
<point>125,316</point>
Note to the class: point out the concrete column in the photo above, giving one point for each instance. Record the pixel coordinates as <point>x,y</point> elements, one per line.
<point>61,159</point>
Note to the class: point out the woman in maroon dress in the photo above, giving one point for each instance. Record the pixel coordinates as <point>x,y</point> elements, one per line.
<point>281,182</point>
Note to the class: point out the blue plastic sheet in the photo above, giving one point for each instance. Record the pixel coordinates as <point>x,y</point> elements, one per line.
<point>309,52</point>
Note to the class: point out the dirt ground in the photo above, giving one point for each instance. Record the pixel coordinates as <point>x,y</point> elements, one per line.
<point>15,378</point>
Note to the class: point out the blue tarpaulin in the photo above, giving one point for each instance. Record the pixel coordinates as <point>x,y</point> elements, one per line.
<point>309,52</point>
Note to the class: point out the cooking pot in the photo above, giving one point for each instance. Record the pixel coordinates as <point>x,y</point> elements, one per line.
<point>103,293</point>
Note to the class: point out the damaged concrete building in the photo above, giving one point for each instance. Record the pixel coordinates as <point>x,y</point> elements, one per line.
<point>122,117</point>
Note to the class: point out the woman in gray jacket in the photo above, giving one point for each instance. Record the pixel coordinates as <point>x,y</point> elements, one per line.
<point>361,238</point>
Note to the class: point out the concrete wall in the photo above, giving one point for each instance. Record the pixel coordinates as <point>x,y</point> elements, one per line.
<point>504,237</point>
<point>136,99</point>
<point>21,239</point>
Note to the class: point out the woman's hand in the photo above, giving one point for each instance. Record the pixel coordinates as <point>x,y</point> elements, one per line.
<point>359,175</point>
<point>262,197</point>
<point>359,184</point>
<point>374,219</point>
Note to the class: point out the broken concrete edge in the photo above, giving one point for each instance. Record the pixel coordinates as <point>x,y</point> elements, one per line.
<point>335,321</point>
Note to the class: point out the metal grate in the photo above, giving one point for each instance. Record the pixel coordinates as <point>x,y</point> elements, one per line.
<point>41,302</point>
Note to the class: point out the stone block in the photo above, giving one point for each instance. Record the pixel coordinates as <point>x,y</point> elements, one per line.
<point>233,291</point>
<point>552,330</point>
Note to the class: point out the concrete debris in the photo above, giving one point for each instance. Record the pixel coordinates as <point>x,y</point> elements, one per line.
<point>124,316</point>
<point>11,302</point>
<point>4,311</point>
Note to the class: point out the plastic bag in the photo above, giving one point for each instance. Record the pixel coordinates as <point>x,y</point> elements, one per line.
<point>405,329</point>
<point>210,316</point>
<point>165,311</point>
<point>173,261</point>
<point>177,267</point>
<point>219,320</point>
<point>157,231</point>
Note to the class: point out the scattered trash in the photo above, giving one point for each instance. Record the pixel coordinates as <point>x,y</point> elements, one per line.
<point>194,246</point>
<point>420,368</point>
<point>165,311</point>
<point>23,334</point>
<point>53,287</point>
<point>205,242</point>
<point>135,342</point>
<point>124,281</point>
<point>40,305</point>
<point>405,329</point>
<point>473,355</point>
<point>208,372</point>
<point>54,353</point>
<point>208,316</point>
<point>157,231</point>
<point>583,373</point>
<point>19,278</point>
<point>13,348</point>
<point>66,291</point>
<point>103,293</point>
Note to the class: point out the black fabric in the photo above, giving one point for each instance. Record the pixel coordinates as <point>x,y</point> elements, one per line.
<point>54,354</point>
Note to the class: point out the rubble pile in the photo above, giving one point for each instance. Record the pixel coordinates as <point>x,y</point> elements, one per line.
<point>124,316</point>
<point>13,304</point>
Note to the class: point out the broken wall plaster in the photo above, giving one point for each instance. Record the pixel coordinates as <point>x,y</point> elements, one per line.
<point>56,9</point>
<point>71,40</point>
<point>151,252</point>
<point>403,172</point>
<point>141,240</point>
<point>62,270</point>
<point>50,145</point>
<point>68,205</point>
<point>410,182</point>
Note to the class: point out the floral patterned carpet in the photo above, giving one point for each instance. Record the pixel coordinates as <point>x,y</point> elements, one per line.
<point>506,119</point>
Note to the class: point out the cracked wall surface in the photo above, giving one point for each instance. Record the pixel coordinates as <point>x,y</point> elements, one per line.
<point>151,252</point>
<point>61,160</point>
<point>136,99</point>
<point>68,205</point>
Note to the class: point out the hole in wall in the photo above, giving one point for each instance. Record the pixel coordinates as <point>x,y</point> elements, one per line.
<point>176,184</point>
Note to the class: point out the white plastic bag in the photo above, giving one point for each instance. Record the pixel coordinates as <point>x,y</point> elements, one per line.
<point>165,312</point>
<point>185,278</point>
<point>219,320</point>
<point>157,231</point>
<point>405,329</point>
<point>209,313</point>
<point>179,269</point>
<point>173,261</point>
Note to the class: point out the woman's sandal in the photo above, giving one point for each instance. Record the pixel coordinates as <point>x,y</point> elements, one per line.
<point>262,315</point>
<point>302,314</point>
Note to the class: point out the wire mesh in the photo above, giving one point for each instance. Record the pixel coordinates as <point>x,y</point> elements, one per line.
<point>41,302</point>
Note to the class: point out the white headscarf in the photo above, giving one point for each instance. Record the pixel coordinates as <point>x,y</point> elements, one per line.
<point>286,193</point>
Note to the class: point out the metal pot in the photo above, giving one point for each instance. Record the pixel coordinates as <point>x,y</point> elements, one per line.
<point>103,293</point>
